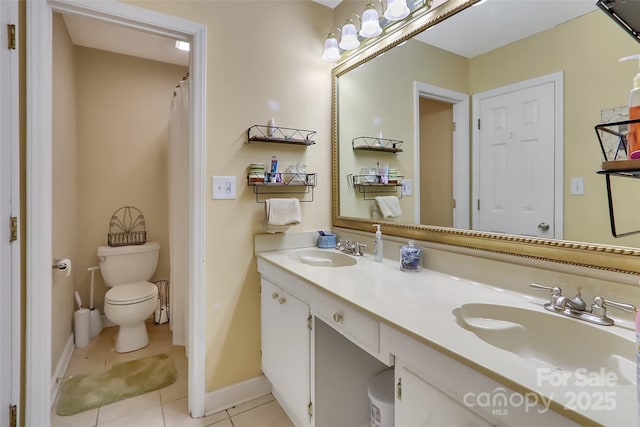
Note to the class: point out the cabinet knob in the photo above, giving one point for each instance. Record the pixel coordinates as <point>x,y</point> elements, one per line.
<point>274,295</point>
<point>282,300</point>
<point>337,317</point>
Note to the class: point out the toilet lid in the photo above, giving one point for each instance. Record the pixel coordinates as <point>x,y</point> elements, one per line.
<point>131,293</point>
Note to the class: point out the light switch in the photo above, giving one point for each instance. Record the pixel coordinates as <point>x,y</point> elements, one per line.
<point>407,187</point>
<point>223,187</point>
<point>577,186</point>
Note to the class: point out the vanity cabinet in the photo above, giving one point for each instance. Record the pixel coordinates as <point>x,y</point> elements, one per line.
<point>286,350</point>
<point>420,404</point>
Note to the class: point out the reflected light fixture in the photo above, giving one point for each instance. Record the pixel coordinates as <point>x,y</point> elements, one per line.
<point>182,45</point>
<point>396,10</point>
<point>331,51</point>
<point>370,26</point>
<point>349,39</point>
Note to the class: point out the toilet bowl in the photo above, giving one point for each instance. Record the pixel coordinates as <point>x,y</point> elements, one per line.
<point>132,298</point>
<point>129,306</point>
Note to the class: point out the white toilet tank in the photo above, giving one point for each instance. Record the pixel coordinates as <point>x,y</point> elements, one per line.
<point>128,264</point>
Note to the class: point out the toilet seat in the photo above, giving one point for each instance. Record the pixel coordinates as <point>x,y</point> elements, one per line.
<point>131,293</point>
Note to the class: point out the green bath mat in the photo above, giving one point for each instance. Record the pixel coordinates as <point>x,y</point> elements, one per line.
<point>121,381</point>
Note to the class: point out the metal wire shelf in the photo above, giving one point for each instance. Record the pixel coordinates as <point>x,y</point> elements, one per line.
<point>281,135</point>
<point>127,227</point>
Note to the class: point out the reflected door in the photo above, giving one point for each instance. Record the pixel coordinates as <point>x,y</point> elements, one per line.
<point>516,162</point>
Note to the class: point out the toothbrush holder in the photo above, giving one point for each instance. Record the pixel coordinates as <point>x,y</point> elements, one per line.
<point>328,241</point>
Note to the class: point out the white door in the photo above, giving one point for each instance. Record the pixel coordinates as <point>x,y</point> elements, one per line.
<point>9,204</point>
<point>419,404</point>
<point>516,188</point>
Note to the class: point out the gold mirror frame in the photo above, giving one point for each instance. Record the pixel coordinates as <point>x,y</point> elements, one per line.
<point>602,257</point>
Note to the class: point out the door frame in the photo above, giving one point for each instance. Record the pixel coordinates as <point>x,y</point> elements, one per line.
<point>10,181</point>
<point>460,103</point>
<point>39,191</point>
<point>558,202</point>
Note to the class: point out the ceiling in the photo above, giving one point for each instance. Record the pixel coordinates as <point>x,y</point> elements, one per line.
<point>478,29</point>
<point>95,34</point>
<point>494,23</point>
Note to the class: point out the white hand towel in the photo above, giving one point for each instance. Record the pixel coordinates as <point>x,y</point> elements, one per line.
<point>389,206</point>
<point>283,211</point>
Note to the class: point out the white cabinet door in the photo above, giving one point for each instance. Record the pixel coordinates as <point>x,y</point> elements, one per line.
<point>419,404</point>
<point>285,350</point>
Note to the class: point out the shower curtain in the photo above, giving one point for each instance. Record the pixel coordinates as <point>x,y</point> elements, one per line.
<point>178,178</point>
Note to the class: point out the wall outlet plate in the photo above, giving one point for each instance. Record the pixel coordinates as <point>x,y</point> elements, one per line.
<point>223,187</point>
<point>407,187</point>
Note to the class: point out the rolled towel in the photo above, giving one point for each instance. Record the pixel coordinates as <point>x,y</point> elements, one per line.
<point>389,206</point>
<point>281,212</point>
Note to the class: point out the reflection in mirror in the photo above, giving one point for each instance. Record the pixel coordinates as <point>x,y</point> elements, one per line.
<point>531,167</point>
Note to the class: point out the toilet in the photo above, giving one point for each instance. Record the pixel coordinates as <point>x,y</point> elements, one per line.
<point>132,298</point>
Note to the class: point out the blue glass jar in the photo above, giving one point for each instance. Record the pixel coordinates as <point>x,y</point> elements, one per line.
<point>410,257</point>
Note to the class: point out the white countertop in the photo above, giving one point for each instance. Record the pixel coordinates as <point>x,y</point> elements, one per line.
<point>422,304</point>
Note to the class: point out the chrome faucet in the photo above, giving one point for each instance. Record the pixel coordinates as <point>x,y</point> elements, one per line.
<point>576,307</point>
<point>352,248</point>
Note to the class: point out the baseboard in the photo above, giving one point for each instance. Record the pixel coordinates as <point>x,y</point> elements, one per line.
<point>227,397</point>
<point>61,368</point>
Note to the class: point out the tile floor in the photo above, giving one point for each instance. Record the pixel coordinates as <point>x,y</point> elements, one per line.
<point>166,407</point>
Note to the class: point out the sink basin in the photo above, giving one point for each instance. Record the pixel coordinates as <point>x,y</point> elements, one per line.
<point>550,340</point>
<point>323,258</point>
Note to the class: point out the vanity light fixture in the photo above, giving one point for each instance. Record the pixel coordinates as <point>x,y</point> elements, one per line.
<point>396,10</point>
<point>331,51</point>
<point>182,45</point>
<point>349,39</point>
<point>370,26</point>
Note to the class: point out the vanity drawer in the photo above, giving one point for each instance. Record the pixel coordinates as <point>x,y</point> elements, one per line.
<point>359,328</point>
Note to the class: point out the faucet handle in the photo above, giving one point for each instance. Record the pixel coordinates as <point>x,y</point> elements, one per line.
<point>555,291</point>
<point>599,307</point>
<point>360,247</point>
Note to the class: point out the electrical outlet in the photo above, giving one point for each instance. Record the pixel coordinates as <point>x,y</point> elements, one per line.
<point>407,187</point>
<point>223,187</point>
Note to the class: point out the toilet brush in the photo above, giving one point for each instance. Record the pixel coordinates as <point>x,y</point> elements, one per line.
<point>95,319</point>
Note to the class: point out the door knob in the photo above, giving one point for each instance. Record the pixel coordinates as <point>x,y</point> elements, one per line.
<point>543,226</point>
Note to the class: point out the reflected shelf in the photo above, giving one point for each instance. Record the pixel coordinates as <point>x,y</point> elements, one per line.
<point>371,143</point>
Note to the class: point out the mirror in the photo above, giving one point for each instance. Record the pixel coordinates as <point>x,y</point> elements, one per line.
<point>375,95</point>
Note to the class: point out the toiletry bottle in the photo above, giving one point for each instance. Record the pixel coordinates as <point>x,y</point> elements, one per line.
<point>410,257</point>
<point>377,245</point>
<point>633,136</point>
<point>271,128</point>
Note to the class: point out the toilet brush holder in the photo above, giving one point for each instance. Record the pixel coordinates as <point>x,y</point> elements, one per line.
<point>81,320</point>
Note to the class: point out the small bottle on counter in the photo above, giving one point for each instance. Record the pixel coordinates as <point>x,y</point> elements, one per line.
<point>410,257</point>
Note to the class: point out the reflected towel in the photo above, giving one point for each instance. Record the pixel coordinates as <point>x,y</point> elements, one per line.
<point>389,206</point>
<point>282,212</point>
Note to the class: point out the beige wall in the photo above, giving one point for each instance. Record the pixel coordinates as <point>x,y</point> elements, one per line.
<point>123,110</point>
<point>257,51</point>
<point>65,200</point>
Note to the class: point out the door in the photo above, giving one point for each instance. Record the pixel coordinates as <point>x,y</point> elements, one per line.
<point>516,164</point>
<point>9,205</point>
<point>420,404</point>
<point>286,340</point>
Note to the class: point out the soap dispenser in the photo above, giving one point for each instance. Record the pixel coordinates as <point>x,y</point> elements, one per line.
<point>633,135</point>
<point>377,245</point>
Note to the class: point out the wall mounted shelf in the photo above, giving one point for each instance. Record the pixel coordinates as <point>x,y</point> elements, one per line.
<point>280,135</point>
<point>371,143</point>
<point>370,186</point>
<point>616,164</point>
<point>291,184</point>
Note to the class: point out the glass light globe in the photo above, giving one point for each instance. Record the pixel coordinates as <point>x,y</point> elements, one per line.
<point>396,10</point>
<point>331,51</point>
<point>370,23</point>
<point>349,36</point>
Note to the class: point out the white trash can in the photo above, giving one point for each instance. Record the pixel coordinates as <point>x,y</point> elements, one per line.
<point>380,392</point>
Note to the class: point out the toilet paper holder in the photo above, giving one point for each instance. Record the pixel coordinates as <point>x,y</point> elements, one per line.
<point>62,265</point>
